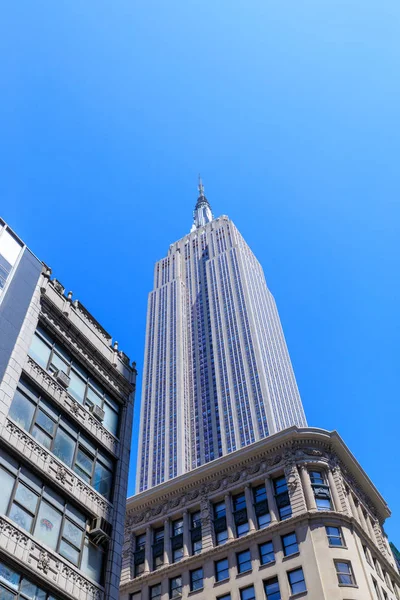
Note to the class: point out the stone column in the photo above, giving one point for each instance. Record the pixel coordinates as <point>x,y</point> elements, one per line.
<point>147,551</point>
<point>334,492</point>
<point>229,516</point>
<point>251,514</point>
<point>353,506</point>
<point>362,518</point>
<point>273,510</point>
<point>307,489</point>
<point>206,524</point>
<point>371,530</point>
<point>167,542</point>
<point>186,533</point>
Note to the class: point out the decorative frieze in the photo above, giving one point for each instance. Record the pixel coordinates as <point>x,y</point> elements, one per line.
<point>47,565</point>
<point>40,457</point>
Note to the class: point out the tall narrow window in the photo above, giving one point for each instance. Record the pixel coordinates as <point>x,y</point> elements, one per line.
<point>344,572</point>
<point>196,532</point>
<point>261,506</point>
<point>282,498</point>
<point>243,561</point>
<point>321,490</point>
<point>266,553</point>
<point>139,554</point>
<point>158,547</point>
<point>196,580</point>
<point>289,544</point>
<point>175,587</point>
<point>296,581</point>
<point>240,514</point>
<point>271,587</point>
<point>177,540</point>
<point>220,526</point>
<point>335,537</point>
<point>221,569</point>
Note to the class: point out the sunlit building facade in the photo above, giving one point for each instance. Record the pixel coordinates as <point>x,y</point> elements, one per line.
<point>217,373</point>
<point>66,408</point>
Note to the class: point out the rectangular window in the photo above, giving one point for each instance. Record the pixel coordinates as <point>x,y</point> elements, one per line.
<point>243,561</point>
<point>261,506</point>
<point>321,490</point>
<point>334,535</point>
<point>50,428</point>
<point>221,569</point>
<point>296,581</point>
<point>266,553</point>
<point>240,514</point>
<point>21,587</point>
<point>175,587</point>
<point>220,527</point>
<point>155,592</point>
<point>271,587</point>
<point>317,478</point>
<point>248,593</point>
<point>196,532</point>
<point>282,498</point>
<point>196,580</point>
<point>377,590</point>
<point>289,543</point>
<point>344,572</point>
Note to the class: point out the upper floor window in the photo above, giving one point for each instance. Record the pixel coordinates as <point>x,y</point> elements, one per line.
<point>335,537</point>
<point>321,490</point>
<point>271,587</point>
<point>344,572</point>
<point>377,590</point>
<point>296,581</point>
<point>39,510</point>
<point>261,506</point>
<point>196,532</point>
<point>196,580</point>
<point>289,544</point>
<point>243,561</point>
<point>220,526</point>
<point>175,587</point>
<point>240,514</point>
<point>10,249</point>
<point>158,547</point>
<point>177,540</point>
<point>52,357</point>
<point>248,593</point>
<point>266,553</point>
<point>56,433</point>
<point>155,592</point>
<point>139,554</point>
<point>13,586</point>
<point>221,569</point>
<point>282,498</point>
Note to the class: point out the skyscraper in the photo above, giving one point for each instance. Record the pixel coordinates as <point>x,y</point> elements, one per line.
<point>217,373</point>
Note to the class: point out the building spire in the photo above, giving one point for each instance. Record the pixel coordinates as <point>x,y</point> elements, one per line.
<point>202,212</point>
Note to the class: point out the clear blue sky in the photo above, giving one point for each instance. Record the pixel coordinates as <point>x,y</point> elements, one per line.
<point>290,111</point>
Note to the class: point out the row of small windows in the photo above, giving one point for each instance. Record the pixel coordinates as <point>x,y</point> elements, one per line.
<point>53,358</point>
<point>13,586</point>
<point>374,563</point>
<point>59,435</point>
<point>38,509</point>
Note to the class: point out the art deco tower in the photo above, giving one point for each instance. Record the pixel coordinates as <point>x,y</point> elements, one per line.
<point>217,373</point>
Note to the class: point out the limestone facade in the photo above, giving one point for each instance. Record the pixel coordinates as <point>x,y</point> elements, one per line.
<point>291,516</point>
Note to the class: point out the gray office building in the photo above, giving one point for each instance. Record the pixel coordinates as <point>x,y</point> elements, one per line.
<point>66,408</point>
<point>217,373</point>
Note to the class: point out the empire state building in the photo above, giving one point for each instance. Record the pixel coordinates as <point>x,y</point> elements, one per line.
<point>217,372</point>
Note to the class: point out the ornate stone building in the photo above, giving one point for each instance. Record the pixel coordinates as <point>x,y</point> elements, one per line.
<point>290,516</point>
<point>66,408</point>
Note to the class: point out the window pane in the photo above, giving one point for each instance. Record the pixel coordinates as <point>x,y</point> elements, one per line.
<point>9,576</point>
<point>48,525</point>
<point>92,561</point>
<point>72,533</point>
<point>272,590</point>
<point>77,386</point>
<point>5,594</point>
<point>247,594</point>
<point>21,517</point>
<point>59,363</point>
<point>64,447</point>
<point>21,410</point>
<point>26,497</point>
<point>110,419</point>
<point>28,588</point>
<point>39,351</point>
<point>69,552</point>
<point>84,465</point>
<point>45,422</point>
<point>41,437</point>
<point>102,480</point>
<point>6,487</point>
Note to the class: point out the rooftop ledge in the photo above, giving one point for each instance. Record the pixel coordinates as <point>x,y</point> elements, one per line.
<point>282,440</point>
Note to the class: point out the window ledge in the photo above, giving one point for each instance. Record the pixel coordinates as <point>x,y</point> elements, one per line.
<point>299,595</point>
<point>285,558</point>
<point>269,564</point>
<point>352,585</point>
<point>193,592</point>
<point>338,547</point>
<point>221,582</point>
<point>243,573</point>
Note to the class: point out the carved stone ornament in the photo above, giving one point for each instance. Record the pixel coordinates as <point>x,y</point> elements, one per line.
<point>61,474</point>
<point>292,482</point>
<point>43,563</point>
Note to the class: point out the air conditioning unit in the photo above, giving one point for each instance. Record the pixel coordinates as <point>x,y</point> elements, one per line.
<point>62,378</point>
<point>97,412</point>
<point>100,530</point>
